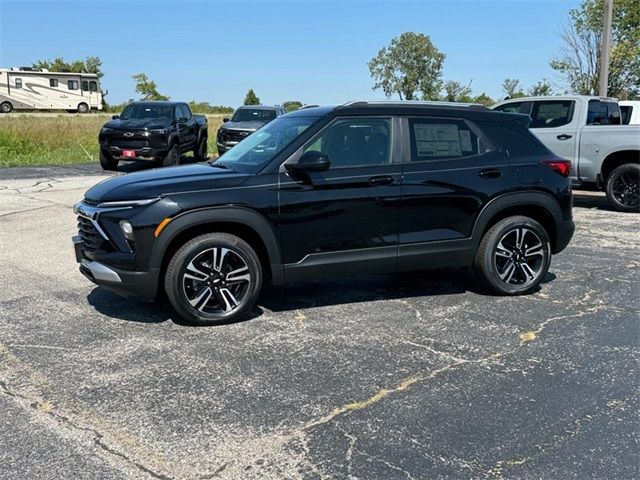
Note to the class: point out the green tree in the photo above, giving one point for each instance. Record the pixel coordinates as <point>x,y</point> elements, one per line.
<point>147,88</point>
<point>291,105</point>
<point>578,60</point>
<point>88,65</point>
<point>457,92</point>
<point>410,66</point>
<point>511,88</point>
<point>251,98</point>
<point>484,99</point>
<point>541,89</point>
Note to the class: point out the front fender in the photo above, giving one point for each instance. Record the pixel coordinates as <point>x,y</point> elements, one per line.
<point>236,215</point>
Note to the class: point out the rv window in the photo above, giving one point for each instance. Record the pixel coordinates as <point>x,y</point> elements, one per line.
<point>18,83</point>
<point>85,86</point>
<point>72,84</point>
<point>53,82</point>
<point>93,87</point>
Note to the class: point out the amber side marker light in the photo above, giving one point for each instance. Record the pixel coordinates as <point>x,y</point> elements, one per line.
<point>161,226</point>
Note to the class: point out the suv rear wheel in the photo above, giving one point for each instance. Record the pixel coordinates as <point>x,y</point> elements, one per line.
<point>213,279</point>
<point>514,256</point>
<point>623,188</point>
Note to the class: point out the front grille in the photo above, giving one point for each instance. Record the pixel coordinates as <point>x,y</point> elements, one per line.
<point>90,236</point>
<point>233,135</point>
<point>127,143</point>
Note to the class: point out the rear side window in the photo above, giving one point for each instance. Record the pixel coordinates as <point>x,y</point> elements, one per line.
<point>53,82</point>
<point>515,138</point>
<point>551,113</point>
<point>603,113</point>
<point>626,111</point>
<point>444,139</point>
<point>73,84</point>
<point>18,83</point>
<point>515,107</point>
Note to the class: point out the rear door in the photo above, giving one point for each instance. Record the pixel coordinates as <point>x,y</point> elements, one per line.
<point>556,124</point>
<point>450,170</point>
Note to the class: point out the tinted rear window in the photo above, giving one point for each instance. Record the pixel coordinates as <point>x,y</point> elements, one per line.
<point>626,111</point>
<point>514,138</point>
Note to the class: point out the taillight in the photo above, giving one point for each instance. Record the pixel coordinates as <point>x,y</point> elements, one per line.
<point>563,167</point>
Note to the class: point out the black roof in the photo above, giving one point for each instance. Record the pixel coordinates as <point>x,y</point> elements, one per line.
<point>156,102</point>
<point>444,109</point>
<point>260,107</point>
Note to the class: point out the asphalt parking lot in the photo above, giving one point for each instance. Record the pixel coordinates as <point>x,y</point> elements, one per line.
<point>414,376</point>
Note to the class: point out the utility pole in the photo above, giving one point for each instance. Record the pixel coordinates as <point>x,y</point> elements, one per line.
<point>605,49</point>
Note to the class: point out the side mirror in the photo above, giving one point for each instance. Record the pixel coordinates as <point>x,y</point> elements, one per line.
<point>182,119</point>
<point>225,120</point>
<point>115,117</point>
<point>311,161</point>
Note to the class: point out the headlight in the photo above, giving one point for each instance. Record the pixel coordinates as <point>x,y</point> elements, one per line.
<point>158,131</point>
<point>127,203</point>
<point>105,130</point>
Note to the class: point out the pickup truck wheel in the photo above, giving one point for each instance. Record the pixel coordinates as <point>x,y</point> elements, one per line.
<point>83,108</point>
<point>514,256</point>
<point>6,107</point>
<point>623,188</point>
<point>107,162</point>
<point>200,153</point>
<point>172,157</point>
<point>213,279</point>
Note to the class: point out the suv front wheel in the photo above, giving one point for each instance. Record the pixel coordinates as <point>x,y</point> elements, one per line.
<point>514,256</point>
<point>213,279</point>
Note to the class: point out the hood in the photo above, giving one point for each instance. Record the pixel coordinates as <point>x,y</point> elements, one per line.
<point>163,181</point>
<point>252,126</point>
<point>138,123</point>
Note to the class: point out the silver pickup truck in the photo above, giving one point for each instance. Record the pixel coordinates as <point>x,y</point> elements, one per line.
<point>588,131</point>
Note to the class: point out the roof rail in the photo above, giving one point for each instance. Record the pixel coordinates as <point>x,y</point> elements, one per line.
<point>415,102</point>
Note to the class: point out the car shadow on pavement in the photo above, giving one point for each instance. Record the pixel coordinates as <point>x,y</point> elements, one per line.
<point>591,199</point>
<point>299,296</point>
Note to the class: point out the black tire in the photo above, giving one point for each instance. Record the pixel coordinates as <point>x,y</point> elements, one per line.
<point>107,161</point>
<point>83,108</point>
<point>172,157</point>
<point>201,151</point>
<point>623,188</point>
<point>509,268</point>
<point>204,295</point>
<point>6,107</point>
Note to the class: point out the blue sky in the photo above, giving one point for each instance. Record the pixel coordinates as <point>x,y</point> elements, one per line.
<point>312,51</point>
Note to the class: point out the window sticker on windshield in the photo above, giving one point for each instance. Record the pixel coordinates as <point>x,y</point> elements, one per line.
<point>437,139</point>
<point>465,140</point>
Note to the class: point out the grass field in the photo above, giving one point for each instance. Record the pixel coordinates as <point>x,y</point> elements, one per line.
<point>59,139</point>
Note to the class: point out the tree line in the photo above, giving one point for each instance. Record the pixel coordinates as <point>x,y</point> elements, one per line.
<point>411,65</point>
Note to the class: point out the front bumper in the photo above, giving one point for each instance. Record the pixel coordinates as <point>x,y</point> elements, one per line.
<point>142,153</point>
<point>141,285</point>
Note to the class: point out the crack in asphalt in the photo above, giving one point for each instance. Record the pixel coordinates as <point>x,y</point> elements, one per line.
<point>98,438</point>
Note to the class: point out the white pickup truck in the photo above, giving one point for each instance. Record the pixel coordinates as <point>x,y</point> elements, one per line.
<point>588,131</point>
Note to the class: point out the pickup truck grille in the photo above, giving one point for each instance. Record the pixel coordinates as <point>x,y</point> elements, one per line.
<point>127,143</point>
<point>90,236</point>
<point>233,135</point>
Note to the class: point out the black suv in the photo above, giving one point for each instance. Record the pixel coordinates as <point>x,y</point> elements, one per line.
<point>322,192</point>
<point>245,120</point>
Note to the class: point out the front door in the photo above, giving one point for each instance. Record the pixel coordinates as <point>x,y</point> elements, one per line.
<point>343,220</point>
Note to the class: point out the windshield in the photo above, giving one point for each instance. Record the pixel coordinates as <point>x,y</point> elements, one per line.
<point>143,111</point>
<point>251,154</point>
<point>253,115</point>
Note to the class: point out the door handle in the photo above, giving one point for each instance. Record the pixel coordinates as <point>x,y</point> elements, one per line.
<point>490,173</point>
<point>564,136</point>
<point>381,180</point>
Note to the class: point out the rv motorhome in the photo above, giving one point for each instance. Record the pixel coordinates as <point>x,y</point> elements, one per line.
<point>28,89</point>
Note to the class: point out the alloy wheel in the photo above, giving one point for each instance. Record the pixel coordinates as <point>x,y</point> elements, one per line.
<point>626,189</point>
<point>216,281</point>
<point>519,257</point>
